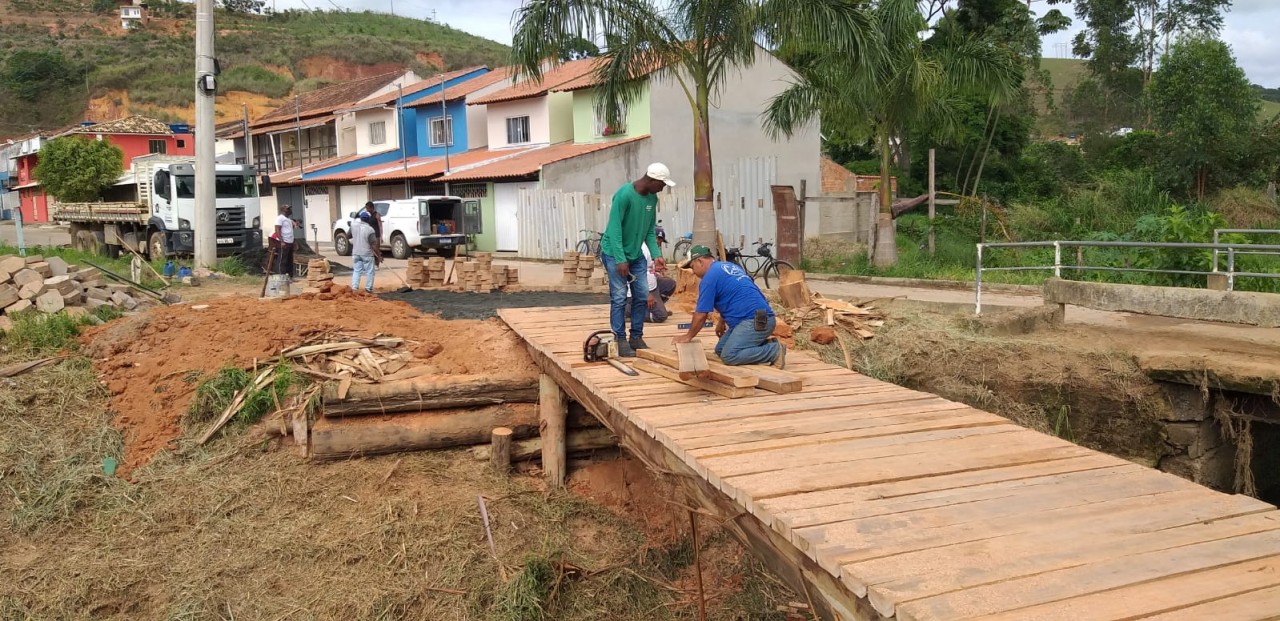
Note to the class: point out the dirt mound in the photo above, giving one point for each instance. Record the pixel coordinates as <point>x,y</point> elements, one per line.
<point>151,363</point>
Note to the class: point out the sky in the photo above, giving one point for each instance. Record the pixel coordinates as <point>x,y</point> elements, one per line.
<point>1250,26</point>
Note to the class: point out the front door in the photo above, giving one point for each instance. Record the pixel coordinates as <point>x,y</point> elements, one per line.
<point>506,199</point>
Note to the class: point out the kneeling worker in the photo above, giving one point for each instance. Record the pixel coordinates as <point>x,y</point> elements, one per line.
<point>748,320</point>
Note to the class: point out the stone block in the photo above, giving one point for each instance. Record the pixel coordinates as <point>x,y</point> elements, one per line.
<point>115,287</point>
<point>35,258</point>
<point>41,268</point>
<point>73,298</point>
<point>5,277</point>
<point>12,264</point>
<point>8,295</point>
<point>97,293</point>
<point>124,300</point>
<point>57,266</point>
<point>92,304</point>
<point>17,307</point>
<point>50,302</point>
<point>62,284</point>
<point>76,312</point>
<point>33,290</point>
<point>24,277</point>
<point>6,324</point>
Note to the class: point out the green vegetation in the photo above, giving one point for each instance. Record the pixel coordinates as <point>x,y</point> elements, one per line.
<point>214,394</point>
<point>259,54</point>
<point>35,334</point>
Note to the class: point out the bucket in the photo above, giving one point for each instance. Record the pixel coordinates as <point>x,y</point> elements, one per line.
<point>278,286</point>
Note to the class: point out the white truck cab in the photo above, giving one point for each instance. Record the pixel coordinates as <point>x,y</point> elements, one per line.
<point>418,223</point>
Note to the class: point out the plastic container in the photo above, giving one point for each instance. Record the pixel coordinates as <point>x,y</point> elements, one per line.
<point>184,272</point>
<point>278,286</point>
<point>169,269</point>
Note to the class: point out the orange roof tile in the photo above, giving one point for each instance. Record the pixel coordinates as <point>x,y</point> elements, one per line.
<point>427,167</point>
<point>531,162</point>
<point>561,74</point>
<point>465,89</point>
<point>418,86</point>
<point>328,99</point>
<point>592,79</point>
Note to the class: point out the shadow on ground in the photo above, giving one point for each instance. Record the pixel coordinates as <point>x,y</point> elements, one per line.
<point>451,305</point>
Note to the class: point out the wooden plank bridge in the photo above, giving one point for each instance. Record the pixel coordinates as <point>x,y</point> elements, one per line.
<point>879,502</point>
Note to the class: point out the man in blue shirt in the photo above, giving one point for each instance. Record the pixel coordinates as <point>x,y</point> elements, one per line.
<point>632,219</point>
<point>748,319</point>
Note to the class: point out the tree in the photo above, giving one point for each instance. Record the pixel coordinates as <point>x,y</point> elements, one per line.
<point>74,169</point>
<point>244,6</point>
<point>913,81</point>
<point>31,74</point>
<point>1202,100</point>
<point>578,50</point>
<point>695,43</point>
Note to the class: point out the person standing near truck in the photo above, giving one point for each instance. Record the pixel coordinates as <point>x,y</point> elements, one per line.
<point>365,254</point>
<point>375,218</point>
<point>282,239</point>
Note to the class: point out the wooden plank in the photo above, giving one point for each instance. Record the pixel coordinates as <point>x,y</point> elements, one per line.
<point>692,360</point>
<point>837,401</point>
<point>1258,605</point>
<point>773,379</point>
<point>716,372</point>
<point>714,439</point>
<point>729,392</point>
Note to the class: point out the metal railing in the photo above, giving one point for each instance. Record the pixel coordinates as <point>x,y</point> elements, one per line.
<point>1218,233</point>
<point>1231,251</point>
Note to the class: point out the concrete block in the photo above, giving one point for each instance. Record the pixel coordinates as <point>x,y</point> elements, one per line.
<point>97,293</point>
<point>17,307</point>
<point>1243,307</point>
<point>12,264</point>
<point>1216,282</point>
<point>8,295</point>
<point>50,302</point>
<point>24,277</point>
<point>57,266</point>
<point>41,268</point>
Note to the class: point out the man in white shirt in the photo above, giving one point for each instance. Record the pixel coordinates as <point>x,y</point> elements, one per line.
<point>283,241</point>
<point>658,292</point>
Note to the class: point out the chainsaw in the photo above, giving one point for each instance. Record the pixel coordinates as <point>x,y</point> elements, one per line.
<point>596,349</point>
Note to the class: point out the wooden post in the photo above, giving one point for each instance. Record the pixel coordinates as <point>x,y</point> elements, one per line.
<point>932,198</point>
<point>551,425</point>
<point>500,449</point>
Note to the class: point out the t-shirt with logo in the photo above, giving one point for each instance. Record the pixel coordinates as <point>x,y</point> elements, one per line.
<point>632,219</point>
<point>729,290</point>
<point>286,228</point>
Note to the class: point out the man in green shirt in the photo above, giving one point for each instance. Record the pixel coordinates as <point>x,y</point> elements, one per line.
<point>631,225</point>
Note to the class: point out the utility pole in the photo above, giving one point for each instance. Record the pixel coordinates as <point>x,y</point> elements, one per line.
<point>248,143</point>
<point>206,247</point>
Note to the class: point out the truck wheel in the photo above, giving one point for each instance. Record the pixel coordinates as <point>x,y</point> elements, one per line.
<point>111,251</point>
<point>400,247</point>
<point>342,244</point>
<point>447,253</point>
<point>155,246</point>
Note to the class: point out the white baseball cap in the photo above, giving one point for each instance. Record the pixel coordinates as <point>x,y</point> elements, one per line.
<point>659,172</point>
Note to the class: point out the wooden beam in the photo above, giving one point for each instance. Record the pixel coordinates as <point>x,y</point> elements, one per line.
<point>770,378</point>
<point>738,377</point>
<point>724,390</point>
<point>691,360</point>
<point>577,441</point>
<point>551,426</point>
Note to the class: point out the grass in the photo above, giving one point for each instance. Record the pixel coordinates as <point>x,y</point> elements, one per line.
<point>256,79</point>
<point>37,334</point>
<point>523,597</point>
<point>214,394</point>
<point>231,266</point>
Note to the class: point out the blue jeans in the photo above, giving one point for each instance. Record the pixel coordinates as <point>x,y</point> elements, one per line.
<point>741,344</point>
<point>362,265</point>
<point>639,285</point>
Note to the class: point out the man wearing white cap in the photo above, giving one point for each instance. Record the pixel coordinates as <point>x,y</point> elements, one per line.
<point>632,219</point>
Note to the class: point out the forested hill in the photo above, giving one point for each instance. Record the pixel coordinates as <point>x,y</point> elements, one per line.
<point>62,61</point>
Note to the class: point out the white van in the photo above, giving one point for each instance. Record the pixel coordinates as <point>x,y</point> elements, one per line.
<point>421,222</point>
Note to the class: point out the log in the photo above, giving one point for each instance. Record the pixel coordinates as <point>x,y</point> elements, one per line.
<point>429,393</point>
<point>349,437</point>
<point>578,441</point>
<point>793,291</point>
<point>734,376</point>
<point>500,449</point>
<point>552,412</point>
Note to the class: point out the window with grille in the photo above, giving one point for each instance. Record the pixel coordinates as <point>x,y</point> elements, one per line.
<point>518,130</point>
<point>157,146</point>
<point>469,190</point>
<point>441,131</point>
<point>378,132</point>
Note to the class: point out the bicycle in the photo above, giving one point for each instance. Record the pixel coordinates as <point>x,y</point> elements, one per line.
<point>765,265</point>
<point>682,247</point>
<point>590,245</point>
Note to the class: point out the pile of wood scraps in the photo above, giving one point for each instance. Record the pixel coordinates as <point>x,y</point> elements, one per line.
<point>690,365</point>
<point>858,320</point>
<point>351,359</point>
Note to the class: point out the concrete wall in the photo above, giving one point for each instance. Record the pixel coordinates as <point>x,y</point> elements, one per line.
<point>584,117</point>
<point>1257,309</point>
<point>535,108</point>
<point>478,116</point>
<point>601,172</point>
<point>736,130</point>
<point>560,117</point>
<point>422,127</point>
<point>363,119</point>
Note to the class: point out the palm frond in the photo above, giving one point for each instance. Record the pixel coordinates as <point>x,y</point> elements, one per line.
<point>843,27</point>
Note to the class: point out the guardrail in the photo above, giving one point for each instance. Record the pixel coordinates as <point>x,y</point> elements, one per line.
<point>1231,251</point>
<point>1217,234</point>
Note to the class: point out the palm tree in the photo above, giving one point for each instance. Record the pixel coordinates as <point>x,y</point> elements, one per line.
<point>916,80</point>
<point>696,43</point>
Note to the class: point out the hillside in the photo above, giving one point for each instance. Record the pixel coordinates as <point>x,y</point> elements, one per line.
<point>61,63</point>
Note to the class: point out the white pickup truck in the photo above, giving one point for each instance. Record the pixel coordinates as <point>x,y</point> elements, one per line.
<point>418,223</point>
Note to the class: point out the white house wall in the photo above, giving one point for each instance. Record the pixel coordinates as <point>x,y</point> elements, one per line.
<point>364,118</point>
<point>478,116</point>
<point>736,134</point>
<point>351,198</point>
<point>534,107</point>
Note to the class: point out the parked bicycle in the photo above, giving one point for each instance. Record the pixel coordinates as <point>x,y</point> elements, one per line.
<point>761,265</point>
<point>590,243</point>
<point>682,247</point>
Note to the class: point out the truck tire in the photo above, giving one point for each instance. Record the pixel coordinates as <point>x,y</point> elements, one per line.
<point>447,253</point>
<point>400,246</point>
<point>156,246</point>
<point>342,244</point>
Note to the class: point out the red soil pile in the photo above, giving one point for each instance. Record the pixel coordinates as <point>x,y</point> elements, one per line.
<point>148,361</point>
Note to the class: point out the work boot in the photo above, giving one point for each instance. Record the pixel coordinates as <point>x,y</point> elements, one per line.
<point>625,350</point>
<point>638,343</point>
<point>781,361</point>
